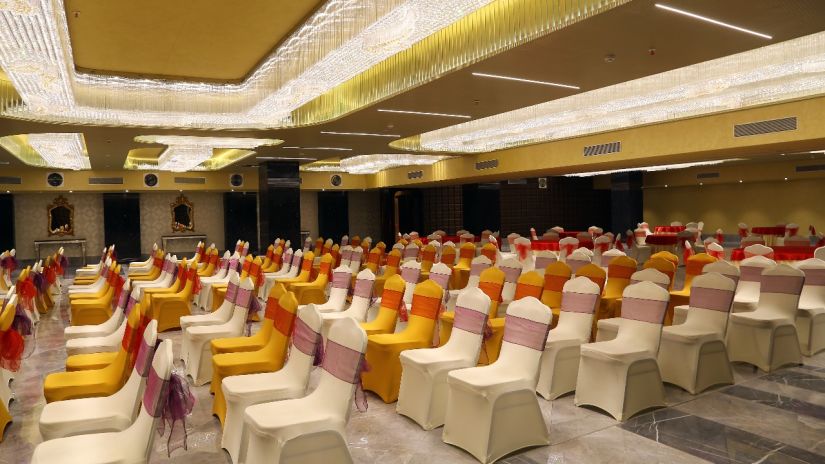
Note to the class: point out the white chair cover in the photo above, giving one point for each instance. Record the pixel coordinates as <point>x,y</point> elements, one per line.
<point>810,318</point>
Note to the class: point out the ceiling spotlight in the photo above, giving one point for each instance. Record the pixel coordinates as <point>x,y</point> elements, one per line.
<point>786,178</point>
<point>701,183</point>
<point>665,185</point>
<point>740,181</point>
<point>426,113</point>
<point>364,134</point>
<point>528,81</point>
<point>712,21</point>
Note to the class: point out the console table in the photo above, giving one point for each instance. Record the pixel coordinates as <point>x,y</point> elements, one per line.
<point>165,239</point>
<point>80,242</point>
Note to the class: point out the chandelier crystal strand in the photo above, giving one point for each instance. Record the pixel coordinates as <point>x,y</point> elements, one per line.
<point>784,71</point>
<point>63,150</point>
<point>370,164</point>
<point>189,153</point>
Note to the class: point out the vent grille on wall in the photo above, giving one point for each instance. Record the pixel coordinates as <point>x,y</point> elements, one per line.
<point>105,180</point>
<point>415,175</point>
<point>764,127</point>
<point>811,168</point>
<point>10,180</point>
<point>190,180</point>
<point>603,149</point>
<point>707,175</point>
<point>488,164</point>
<point>283,182</point>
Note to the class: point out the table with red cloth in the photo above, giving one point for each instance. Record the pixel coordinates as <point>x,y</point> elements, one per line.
<point>780,253</point>
<point>457,240</point>
<point>571,233</point>
<point>769,233</point>
<point>668,229</point>
<point>662,239</point>
<point>553,245</point>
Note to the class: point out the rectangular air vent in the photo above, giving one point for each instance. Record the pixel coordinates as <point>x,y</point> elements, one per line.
<point>488,164</point>
<point>284,182</point>
<point>811,168</point>
<point>415,175</point>
<point>603,149</point>
<point>764,127</point>
<point>516,181</point>
<point>105,180</point>
<point>707,175</point>
<point>190,180</point>
<point>10,180</point>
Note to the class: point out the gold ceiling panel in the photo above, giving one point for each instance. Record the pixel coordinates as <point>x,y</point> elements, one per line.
<point>211,40</point>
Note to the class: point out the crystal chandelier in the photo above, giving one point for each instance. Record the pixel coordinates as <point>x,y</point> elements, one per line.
<point>660,167</point>
<point>61,150</point>
<point>187,153</point>
<point>784,71</point>
<point>370,164</point>
<point>341,40</point>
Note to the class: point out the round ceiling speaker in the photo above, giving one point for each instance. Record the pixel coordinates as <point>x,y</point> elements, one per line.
<point>336,180</point>
<point>54,179</point>
<point>236,180</point>
<point>150,180</point>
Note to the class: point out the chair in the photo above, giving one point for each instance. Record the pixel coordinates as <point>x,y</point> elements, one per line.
<point>692,355</point>
<point>383,350</point>
<point>219,316</point>
<point>720,266</point>
<point>758,250</point>
<point>493,410</point>
<point>355,259</point>
<point>461,271</point>
<point>751,240</point>
<point>609,255</point>
<point>524,248</point>
<point>716,250</point>
<point>595,273</point>
<point>621,376</point>
<point>269,358</point>
<point>106,414</point>
<point>492,286</point>
<point>410,272</point>
<point>619,272</point>
<point>242,391</point>
<point>667,256</point>
<point>512,269</point>
<point>819,253</point>
<point>130,445</point>
<point>286,272</point>
<point>313,292</point>
<point>567,246</point>
<point>221,279</point>
<point>341,281</point>
<point>606,329</point>
<point>391,269</point>
<point>693,268</point>
<point>810,317</point>
<point>560,359</point>
<point>601,244</point>
<point>410,253</point>
<point>391,301</point>
<point>212,262</point>
<point>196,339</point>
<point>489,250</point>
<point>766,337</point>
<point>312,428</point>
<point>747,290</point>
<point>361,301</point>
<point>665,266</point>
<point>555,276</point>
<point>168,308</point>
<point>543,259</point>
<point>373,262</point>
<point>261,338</point>
<point>576,260</point>
<point>423,391</point>
<point>477,266</point>
<point>107,327</point>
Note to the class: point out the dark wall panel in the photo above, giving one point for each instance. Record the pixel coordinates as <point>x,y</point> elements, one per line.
<point>626,200</point>
<point>333,214</point>
<point>6,222</point>
<point>240,221</point>
<point>121,223</point>
<point>279,199</point>
<point>442,208</point>
<point>482,207</point>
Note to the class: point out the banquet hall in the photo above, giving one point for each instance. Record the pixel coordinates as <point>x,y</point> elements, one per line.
<point>412,231</point>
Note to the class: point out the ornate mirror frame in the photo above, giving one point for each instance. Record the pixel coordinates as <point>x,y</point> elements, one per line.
<point>181,200</point>
<point>60,202</point>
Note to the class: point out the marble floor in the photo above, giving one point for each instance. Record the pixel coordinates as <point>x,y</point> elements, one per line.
<point>763,418</point>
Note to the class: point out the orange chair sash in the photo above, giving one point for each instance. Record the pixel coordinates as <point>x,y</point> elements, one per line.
<point>391,299</point>
<point>620,272</point>
<point>491,289</point>
<point>425,306</point>
<point>554,283</point>
<point>282,320</point>
<point>525,290</point>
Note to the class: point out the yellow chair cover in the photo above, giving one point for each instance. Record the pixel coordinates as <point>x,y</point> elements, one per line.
<point>528,284</point>
<point>211,264</point>
<point>261,337</point>
<point>111,272</point>
<point>219,289</point>
<point>667,256</point>
<point>306,270</point>
<point>490,251</point>
<point>384,350</point>
<point>595,273</point>
<point>556,274</point>
<point>275,260</point>
<point>95,311</point>
<point>693,268</point>
<point>618,277</point>
<point>269,358</point>
<point>168,308</point>
<point>374,260</point>
<point>313,292</point>
<point>152,274</point>
<point>105,379</point>
<point>461,271</point>
<point>663,265</point>
<point>392,297</point>
<point>393,261</point>
<point>490,281</point>
<point>427,261</point>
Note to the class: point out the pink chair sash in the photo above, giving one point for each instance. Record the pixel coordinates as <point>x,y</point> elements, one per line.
<point>144,358</point>
<point>341,279</point>
<point>130,305</point>
<point>243,298</point>
<point>231,292</point>
<point>477,268</point>
<point>441,279</point>
<point>711,298</point>
<point>789,285</point>
<point>363,288</point>
<point>814,276</point>
<point>469,320</point>
<point>750,273</point>
<point>342,362</point>
<point>410,274</point>
<point>511,274</point>
<point>346,255</point>
<point>579,302</point>
<point>411,252</point>
<point>544,261</point>
<point>156,388</point>
<point>296,260</point>
<point>525,332</point>
<point>305,339</point>
<point>640,309</point>
<point>123,301</point>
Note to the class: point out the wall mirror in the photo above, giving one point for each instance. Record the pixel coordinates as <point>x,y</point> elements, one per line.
<point>183,215</point>
<point>60,217</point>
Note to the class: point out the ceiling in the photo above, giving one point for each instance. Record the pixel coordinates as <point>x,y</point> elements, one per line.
<point>212,41</point>
<point>574,55</point>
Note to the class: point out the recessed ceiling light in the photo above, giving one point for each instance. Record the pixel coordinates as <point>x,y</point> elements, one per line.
<point>319,148</point>
<point>786,178</point>
<point>712,21</point>
<point>701,183</point>
<point>665,185</point>
<point>365,134</point>
<point>529,81</point>
<point>427,113</point>
<point>740,181</point>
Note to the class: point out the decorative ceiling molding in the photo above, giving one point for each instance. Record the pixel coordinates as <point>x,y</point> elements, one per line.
<point>781,72</point>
